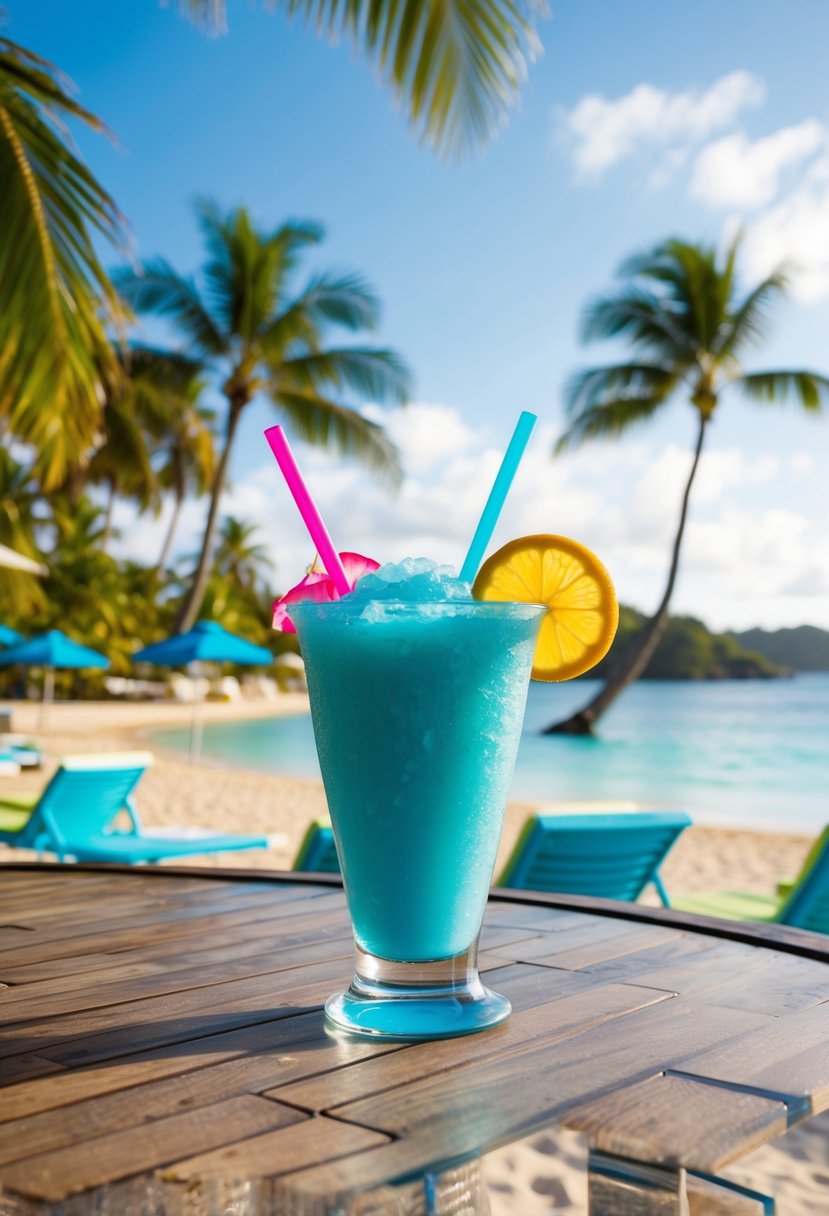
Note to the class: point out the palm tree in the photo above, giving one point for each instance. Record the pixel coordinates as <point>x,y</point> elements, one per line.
<point>455,66</point>
<point>679,307</point>
<point>168,388</point>
<point>258,337</point>
<point>122,460</point>
<point>55,297</point>
<point>239,557</point>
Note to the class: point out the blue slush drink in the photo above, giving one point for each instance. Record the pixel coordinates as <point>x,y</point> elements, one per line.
<point>417,697</point>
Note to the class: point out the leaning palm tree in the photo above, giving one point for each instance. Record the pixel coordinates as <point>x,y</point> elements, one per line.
<point>260,337</point>
<point>455,66</point>
<point>55,297</point>
<point>679,307</point>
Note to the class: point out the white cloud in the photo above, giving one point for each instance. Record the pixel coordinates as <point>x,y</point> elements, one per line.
<point>795,230</point>
<point>738,172</point>
<point>740,566</point>
<point>604,132</point>
<point>802,462</point>
<point>427,435</point>
<point>777,186</point>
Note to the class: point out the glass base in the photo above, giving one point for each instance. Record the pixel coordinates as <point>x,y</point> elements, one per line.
<point>439,999</point>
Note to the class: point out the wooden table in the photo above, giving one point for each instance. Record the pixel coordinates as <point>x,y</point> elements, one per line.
<point>163,1050</point>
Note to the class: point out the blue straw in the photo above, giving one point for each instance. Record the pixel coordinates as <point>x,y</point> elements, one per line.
<point>497,495</point>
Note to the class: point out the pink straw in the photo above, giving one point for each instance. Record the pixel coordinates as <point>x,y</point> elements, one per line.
<point>312,519</point>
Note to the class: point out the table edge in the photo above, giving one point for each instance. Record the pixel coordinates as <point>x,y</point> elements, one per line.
<point>789,940</point>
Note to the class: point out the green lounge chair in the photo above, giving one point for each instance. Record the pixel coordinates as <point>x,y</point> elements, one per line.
<point>317,852</point>
<point>611,856</point>
<point>74,816</point>
<point>803,903</point>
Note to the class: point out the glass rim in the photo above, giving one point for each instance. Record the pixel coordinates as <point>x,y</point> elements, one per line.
<point>520,610</point>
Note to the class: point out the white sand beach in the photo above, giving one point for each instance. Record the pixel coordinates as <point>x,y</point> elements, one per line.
<point>546,1172</point>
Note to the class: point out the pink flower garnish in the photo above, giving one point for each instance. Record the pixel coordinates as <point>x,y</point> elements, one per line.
<point>319,587</point>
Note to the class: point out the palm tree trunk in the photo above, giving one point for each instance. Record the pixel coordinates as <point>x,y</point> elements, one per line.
<point>641,649</point>
<point>107,533</point>
<point>191,606</point>
<point>168,539</point>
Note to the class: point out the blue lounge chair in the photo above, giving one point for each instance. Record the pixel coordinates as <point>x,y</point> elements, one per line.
<point>74,816</point>
<point>317,852</point>
<point>803,903</point>
<point>612,856</point>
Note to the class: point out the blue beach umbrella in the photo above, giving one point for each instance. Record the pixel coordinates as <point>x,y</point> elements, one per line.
<point>51,650</point>
<point>8,637</point>
<point>207,642</point>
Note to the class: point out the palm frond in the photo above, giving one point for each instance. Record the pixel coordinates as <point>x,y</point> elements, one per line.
<point>329,299</point>
<point>55,297</point>
<point>343,299</point>
<point>749,323</point>
<point>207,15</point>
<point>808,389</point>
<point>596,386</point>
<point>248,272</point>
<point>455,66</point>
<point>642,317</point>
<point>157,288</point>
<point>690,284</point>
<point>377,373</point>
<point>608,420</point>
<point>319,420</point>
<point>122,459</point>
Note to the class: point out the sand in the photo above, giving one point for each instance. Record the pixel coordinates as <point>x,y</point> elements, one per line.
<point>546,1172</point>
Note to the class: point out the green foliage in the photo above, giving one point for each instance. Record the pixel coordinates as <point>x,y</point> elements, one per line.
<point>687,651</point>
<point>804,648</point>
<point>118,607</point>
<point>678,306</point>
<point>258,334</point>
<point>55,296</point>
<point>455,66</point>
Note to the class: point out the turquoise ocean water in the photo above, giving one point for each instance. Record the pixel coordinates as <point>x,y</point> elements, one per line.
<point>731,752</point>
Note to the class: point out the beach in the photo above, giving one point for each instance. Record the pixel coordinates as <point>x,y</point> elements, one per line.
<point>174,792</point>
<point>545,1172</point>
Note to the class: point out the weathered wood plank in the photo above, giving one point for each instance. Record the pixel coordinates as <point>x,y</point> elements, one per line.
<point>279,1152</point>
<point>80,1122</point>
<point>674,1121</point>
<point>57,918</point>
<point>24,1068</point>
<point>530,916</point>
<point>124,935</point>
<point>259,958</point>
<point>499,1099</point>
<point>86,974</point>
<point>747,977</point>
<point>115,1155</point>
<point>555,1009</point>
<point>311,923</point>
<point>587,945</point>
<point>299,1046</point>
<point>789,1057</point>
<point>101,1034</point>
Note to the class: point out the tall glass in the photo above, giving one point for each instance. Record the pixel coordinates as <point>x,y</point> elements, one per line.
<point>417,711</point>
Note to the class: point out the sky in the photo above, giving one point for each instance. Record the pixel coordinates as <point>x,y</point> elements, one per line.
<point>638,121</point>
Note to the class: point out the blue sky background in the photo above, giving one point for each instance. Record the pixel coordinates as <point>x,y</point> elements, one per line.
<point>483,267</point>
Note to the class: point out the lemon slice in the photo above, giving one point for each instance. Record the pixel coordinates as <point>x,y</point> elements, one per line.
<point>582,610</point>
